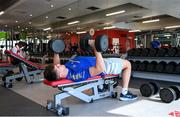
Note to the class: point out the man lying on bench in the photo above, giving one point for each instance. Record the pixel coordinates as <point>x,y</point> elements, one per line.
<point>81,68</point>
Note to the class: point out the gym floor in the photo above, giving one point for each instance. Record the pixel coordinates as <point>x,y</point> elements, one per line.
<point>30,100</point>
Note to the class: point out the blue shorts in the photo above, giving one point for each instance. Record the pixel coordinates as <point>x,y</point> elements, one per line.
<point>113,65</point>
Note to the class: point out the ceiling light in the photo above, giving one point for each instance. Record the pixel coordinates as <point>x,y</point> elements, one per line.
<point>26,28</point>
<point>16,21</point>
<point>2,12</point>
<point>49,28</point>
<point>69,9</point>
<point>109,27</point>
<point>30,22</point>
<point>82,32</point>
<point>148,16</point>
<point>18,26</point>
<point>46,17</point>
<point>6,25</point>
<point>134,31</point>
<point>150,21</point>
<point>175,26</point>
<point>78,28</point>
<point>74,22</point>
<point>115,13</point>
<point>52,5</point>
<point>30,15</point>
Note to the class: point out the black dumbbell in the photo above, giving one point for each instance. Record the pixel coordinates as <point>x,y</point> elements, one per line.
<point>149,89</point>
<point>101,43</point>
<point>170,67</point>
<point>160,67</point>
<point>170,94</point>
<point>135,65</point>
<point>151,66</point>
<point>56,45</point>
<point>172,51</point>
<point>142,66</point>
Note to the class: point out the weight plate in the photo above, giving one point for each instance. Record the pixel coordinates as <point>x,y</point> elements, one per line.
<point>147,90</point>
<point>145,52</point>
<point>101,43</point>
<point>178,68</point>
<point>84,42</point>
<point>151,66</point>
<point>177,90</point>
<point>160,67</point>
<point>49,44</point>
<point>58,46</point>
<point>156,87</point>
<point>167,95</point>
<point>170,67</point>
<point>171,52</point>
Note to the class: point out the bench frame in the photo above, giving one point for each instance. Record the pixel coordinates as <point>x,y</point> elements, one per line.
<point>101,88</point>
<point>31,76</point>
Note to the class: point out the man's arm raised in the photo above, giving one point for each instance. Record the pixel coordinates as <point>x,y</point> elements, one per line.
<point>99,67</point>
<point>56,59</point>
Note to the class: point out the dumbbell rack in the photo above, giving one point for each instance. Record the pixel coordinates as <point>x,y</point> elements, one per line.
<point>154,75</point>
<point>157,59</point>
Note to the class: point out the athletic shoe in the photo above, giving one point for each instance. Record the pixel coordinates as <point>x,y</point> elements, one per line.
<point>128,96</point>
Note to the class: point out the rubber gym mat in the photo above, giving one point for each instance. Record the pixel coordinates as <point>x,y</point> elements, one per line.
<point>13,104</point>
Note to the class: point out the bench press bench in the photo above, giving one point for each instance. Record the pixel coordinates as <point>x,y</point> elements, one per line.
<point>29,70</point>
<point>6,67</point>
<point>101,87</point>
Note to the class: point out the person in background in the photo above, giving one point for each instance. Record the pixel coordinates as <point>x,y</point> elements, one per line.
<point>155,43</point>
<point>74,48</point>
<point>139,45</point>
<point>17,49</point>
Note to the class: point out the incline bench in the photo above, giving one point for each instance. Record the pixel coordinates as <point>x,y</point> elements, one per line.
<point>101,87</point>
<point>32,75</point>
<point>6,67</point>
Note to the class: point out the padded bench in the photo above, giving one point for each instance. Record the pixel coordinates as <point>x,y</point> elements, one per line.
<point>28,70</point>
<point>6,67</point>
<point>101,87</point>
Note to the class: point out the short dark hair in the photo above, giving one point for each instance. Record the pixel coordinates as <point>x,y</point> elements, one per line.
<point>21,44</point>
<point>50,73</point>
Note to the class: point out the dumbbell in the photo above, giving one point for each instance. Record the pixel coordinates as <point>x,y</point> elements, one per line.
<point>142,66</point>
<point>149,89</point>
<point>56,45</point>
<point>160,67</point>
<point>101,42</point>
<point>170,94</point>
<point>170,67</point>
<point>151,66</point>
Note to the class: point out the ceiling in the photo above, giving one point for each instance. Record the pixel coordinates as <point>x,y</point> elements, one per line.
<point>40,14</point>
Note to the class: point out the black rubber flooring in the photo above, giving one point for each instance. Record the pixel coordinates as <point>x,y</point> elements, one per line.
<point>13,104</point>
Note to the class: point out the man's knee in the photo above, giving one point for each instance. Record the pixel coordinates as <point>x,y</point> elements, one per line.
<point>127,64</point>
